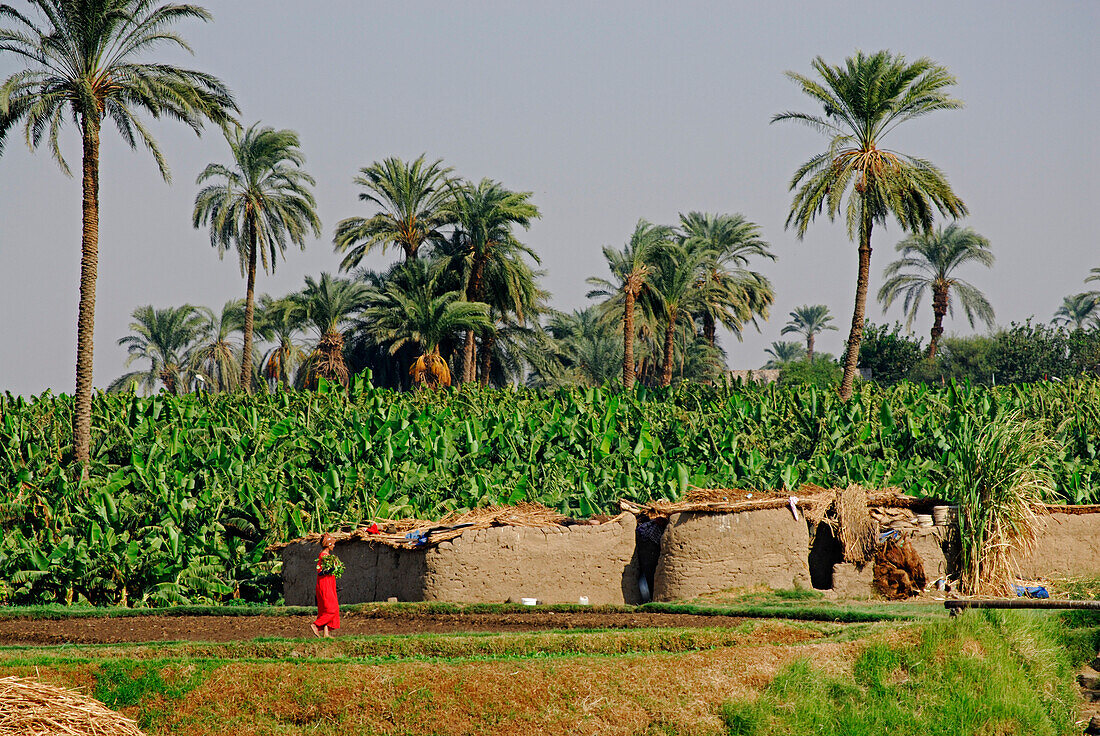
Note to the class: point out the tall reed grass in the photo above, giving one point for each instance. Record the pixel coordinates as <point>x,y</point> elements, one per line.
<point>1002,477</point>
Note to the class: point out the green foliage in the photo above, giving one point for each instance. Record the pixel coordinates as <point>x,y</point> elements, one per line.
<point>888,354</point>
<point>1003,475</point>
<point>1028,352</point>
<point>969,358</point>
<point>824,372</point>
<point>184,493</point>
<point>988,674</point>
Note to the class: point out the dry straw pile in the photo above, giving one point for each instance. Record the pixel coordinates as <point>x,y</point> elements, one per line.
<point>393,533</point>
<point>30,708</point>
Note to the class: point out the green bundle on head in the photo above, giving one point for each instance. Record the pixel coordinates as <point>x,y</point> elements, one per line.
<point>331,565</point>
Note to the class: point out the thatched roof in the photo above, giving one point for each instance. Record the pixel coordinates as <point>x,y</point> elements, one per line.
<point>31,708</point>
<point>736,501</point>
<point>394,533</point>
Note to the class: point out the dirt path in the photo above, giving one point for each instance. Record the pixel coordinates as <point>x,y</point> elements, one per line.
<point>238,628</point>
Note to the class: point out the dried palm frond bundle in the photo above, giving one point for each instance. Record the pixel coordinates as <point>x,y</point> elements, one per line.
<point>430,370</point>
<point>846,512</point>
<point>31,708</point>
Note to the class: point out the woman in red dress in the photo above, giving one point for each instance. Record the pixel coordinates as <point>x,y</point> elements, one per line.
<point>328,607</point>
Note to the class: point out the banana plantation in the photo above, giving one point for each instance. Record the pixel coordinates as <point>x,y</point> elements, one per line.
<point>184,493</point>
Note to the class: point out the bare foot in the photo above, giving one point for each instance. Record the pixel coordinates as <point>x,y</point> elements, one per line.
<point>316,631</point>
<point>328,634</point>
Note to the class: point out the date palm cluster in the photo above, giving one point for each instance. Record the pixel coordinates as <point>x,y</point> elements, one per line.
<point>465,303</point>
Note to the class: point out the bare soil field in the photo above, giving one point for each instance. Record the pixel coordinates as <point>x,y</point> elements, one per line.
<point>25,631</point>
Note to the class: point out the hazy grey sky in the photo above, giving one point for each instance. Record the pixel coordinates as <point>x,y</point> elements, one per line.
<point>608,112</point>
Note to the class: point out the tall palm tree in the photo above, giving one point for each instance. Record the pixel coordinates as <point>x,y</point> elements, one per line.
<point>415,308</point>
<point>329,306</point>
<point>163,337</point>
<point>630,271</point>
<point>863,100</point>
<point>674,294</point>
<point>257,205</point>
<point>928,263</point>
<point>216,358</point>
<point>1078,310</point>
<point>81,62</point>
<point>732,295</point>
<point>483,216</point>
<point>278,319</point>
<point>784,352</point>
<point>809,321</point>
<point>411,197</point>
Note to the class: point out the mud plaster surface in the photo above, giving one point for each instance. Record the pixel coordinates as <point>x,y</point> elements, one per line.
<point>552,565</point>
<point>705,553</point>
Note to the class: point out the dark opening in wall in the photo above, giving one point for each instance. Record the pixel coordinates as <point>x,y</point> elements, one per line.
<point>825,551</point>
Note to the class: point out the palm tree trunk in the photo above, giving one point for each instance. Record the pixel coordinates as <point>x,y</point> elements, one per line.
<point>469,356</point>
<point>85,321</point>
<point>666,369</point>
<point>939,309</point>
<point>473,294</point>
<point>810,347</point>
<point>855,336</point>
<point>628,340</point>
<point>709,327</point>
<point>249,311</point>
<point>485,358</point>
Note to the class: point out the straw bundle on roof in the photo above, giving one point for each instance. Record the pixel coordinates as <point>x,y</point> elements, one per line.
<point>31,708</point>
<point>393,533</point>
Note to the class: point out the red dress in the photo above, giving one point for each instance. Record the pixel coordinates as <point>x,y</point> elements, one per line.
<point>328,608</point>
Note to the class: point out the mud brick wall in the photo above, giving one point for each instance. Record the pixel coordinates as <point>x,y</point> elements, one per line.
<point>553,564</point>
<point>371,573</point>
<point>1068,544</point>
<point>706,553</point>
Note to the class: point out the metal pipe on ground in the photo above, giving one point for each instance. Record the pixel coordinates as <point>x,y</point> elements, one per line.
<point>954,606</point>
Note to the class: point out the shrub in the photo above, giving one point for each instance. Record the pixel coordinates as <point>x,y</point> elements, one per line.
<point>823,372</point>
<point>888,354</point>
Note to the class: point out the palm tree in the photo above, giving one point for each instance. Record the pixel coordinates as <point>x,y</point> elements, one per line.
<point>1078,310</point>
<point>863,101</point>
<point>928,262</point>
<point>414,308</point>
<point>515,301</point>
<point>582,349</point>
<point>164,338</point>
<point>674,294</point>
<point>809,321</point>
<point>784,352</point>
<point>732,295</point>
<point>216,359</point>
<point>411,198</point>
<point>257,205</point>
<point>328,306</point>
<point>483,217</point>
<point>81,62</point>
<point>278,318</point>
<point>630,269</point>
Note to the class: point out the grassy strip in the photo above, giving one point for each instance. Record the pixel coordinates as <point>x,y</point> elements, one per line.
<point>794,609</point>
<point>987,672</point>
<point>991,672</point>
<point>430,646</point>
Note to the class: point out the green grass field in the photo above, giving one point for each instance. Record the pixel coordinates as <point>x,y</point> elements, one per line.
<point>893,668</point>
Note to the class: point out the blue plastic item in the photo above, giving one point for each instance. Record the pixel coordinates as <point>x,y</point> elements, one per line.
<point>1031,591</point>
